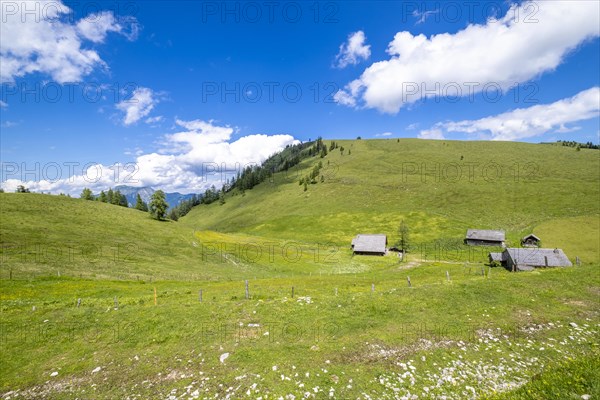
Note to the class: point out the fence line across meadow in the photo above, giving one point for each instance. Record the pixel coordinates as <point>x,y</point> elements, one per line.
<point>253,291</point>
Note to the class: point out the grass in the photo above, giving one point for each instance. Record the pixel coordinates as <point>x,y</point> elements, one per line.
<point>510,186</point>
<point>362,334</point>
<point>484,333</point>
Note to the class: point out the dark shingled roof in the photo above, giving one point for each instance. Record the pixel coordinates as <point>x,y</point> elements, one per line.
<point>531,235</point>
<point>482,234</point>
<point>369,243</point>
<point>537,257</point>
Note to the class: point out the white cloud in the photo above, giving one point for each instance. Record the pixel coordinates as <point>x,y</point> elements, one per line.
<point>153,120</point>
<point>9,124</point>
<point>528,122</point>
<point>384,134</point>
<point>3,104</point>
<point>431,134</point>
<point>514,49</point>
<point>353,50</point>
<point>138,106</point>
<point>95,27</point>
<point>46,42</point>
<point>344,98</point>
<point>189,161</point>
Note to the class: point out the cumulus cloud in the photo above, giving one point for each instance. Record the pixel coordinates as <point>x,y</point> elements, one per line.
<point>384,134</point>
<point>434,133</point>
<point>353,50</point>
<point>524,123</point>
<point>504,51</point>
<point>44,41</point>
<point>3,104</point>
<point>138,106</point>
<point>201,155</point>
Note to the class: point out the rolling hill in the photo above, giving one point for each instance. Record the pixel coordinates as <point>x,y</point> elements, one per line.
<point>100,301</point>
<point>440,188</point>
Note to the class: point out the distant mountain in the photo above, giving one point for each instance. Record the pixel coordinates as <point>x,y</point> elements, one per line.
<point>130,192</point>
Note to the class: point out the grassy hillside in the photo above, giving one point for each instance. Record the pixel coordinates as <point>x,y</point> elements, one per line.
<point>440,188</point>
<point>104,302</point>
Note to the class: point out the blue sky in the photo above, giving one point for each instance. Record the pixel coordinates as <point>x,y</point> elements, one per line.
<point>171,87</point>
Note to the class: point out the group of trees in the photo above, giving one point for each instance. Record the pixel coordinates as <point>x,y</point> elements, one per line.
<point>334,146</point>
<point>185,206</point>
<point>312,177</point>
<point>251,176</point>
<point>111,197</point>
<point>577,145</point>
<point>157,208</point>
<point>282,161</point>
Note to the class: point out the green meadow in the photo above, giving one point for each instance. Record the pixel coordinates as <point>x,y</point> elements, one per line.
<point>103,302</point>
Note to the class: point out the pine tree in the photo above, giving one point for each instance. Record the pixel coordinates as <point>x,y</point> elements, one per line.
<point>109,196</point>
<point>102,197</point>
<point>116,197</point>
<point>140,204</point>
<point>404,242</point>
<point>123,201</point>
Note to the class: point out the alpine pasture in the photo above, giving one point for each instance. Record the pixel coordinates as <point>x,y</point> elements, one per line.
<point>103,302</point>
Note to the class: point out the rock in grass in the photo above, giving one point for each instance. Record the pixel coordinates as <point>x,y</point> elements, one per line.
<point>223,357</point>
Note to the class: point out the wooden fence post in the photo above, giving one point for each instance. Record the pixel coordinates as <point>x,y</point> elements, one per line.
<point>155,295</point>
<point>10,274</point>
<point>409,284</point>
<point>78,302</point>
<point>200,295</point>
<point>292,292</point>
<point>336,291</point>
<point>447,276</point>
<point>247,291</point>
<point>372,288</point>
<point>116,303</point>
<point>577,261</point>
